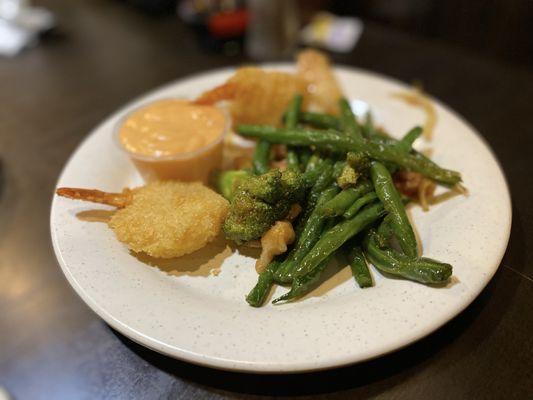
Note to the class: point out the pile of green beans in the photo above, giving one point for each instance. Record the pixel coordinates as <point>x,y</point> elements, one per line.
<point>309,235</point>
<point>333,141</point>
<point>364,223</point>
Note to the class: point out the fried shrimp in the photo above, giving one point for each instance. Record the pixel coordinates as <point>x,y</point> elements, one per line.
<point>322,89</point>
<point>260,97</point>
<point>257,96</point>
<point>162,219</point>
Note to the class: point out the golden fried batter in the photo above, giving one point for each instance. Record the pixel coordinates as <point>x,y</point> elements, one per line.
<point>170,219</point>
<point>161,219</point>
<point>322,89</point>
<point>261,97</point>
<point>257,96</point>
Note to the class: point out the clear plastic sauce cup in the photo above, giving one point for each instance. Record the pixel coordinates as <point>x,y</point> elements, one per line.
<point>188,166</point>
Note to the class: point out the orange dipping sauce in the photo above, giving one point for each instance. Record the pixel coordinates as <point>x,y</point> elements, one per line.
<point>174,139</point>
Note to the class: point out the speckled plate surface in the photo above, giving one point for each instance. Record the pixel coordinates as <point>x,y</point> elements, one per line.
<point>194,309</point>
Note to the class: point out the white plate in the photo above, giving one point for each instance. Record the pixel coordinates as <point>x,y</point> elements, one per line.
<point>202,318</point>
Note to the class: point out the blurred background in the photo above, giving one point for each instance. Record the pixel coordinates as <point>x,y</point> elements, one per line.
<point>498,29</point>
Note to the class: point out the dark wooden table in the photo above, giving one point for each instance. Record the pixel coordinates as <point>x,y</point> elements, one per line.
<point>53,347</point>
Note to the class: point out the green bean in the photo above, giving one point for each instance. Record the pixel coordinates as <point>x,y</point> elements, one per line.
<point>370,132</point>
<point>360,203</point>
<point>258,294</point>
<point>324,180</point>
<point>326,139</point>
<point>306,239</point>
<point>313,162</point>
<point>348,120</point>
<point>415,154</point>
<point>389,141</point>
<point>389,196</point>
<point>305,157</point>
<point>338,167</point>
<point>304,284</point>
<point>291,121</point>
<point>368,128</point>
<point>314,170</point>
<point>340,203</point>
<point>406,143</point>
<point>424,270</point>
<point>318,179</point>
<point>359,267</point>
<point>333,141</point>
<point>261,159</point>
<point>292,159</point>
<point>319,120</point>
<point>335,237</point>
<point>385,232</point>
<point>293,111</point>
<point>382,139</point>
<point>421,157</point>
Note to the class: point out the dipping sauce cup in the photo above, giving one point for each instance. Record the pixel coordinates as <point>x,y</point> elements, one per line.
<point>173,139</point>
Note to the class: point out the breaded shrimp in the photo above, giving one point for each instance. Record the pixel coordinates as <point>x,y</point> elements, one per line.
<point>322,89</point>
<point>257,96</point>
<point>162,219</point>
<point>260,97</point>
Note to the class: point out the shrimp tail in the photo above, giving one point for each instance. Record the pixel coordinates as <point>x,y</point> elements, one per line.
<point>119,200</point>
<point>226,91</point>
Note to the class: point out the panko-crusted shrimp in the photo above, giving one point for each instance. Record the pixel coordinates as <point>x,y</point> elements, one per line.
<point>162,219</point>
<point>257,96</point>
<point>260,97</point>
<point>322,91</point>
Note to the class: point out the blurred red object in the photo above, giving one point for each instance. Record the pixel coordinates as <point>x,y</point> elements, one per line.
<point>228,24</point>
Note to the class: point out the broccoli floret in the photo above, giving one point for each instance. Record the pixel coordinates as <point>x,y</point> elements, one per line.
<point>293,185</point>
<point>260,201</point>
<point>248,218</point>
<point>358,161</point>
<point>348,177</point>
<point>266,187</point>
<point>226,182</point>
